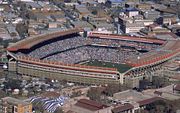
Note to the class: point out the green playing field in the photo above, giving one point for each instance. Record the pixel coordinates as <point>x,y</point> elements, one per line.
<point>121,67</point>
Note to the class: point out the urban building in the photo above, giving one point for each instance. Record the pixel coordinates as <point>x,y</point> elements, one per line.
<point>102,1</point>
<point>169,20</point>
<point>13,105</point>
<point>171,70</point>
<point>90,106</point>
<point>144,6</point>
<point>132,101</point>
<point>137,67</point>
<point>150,14</point>
<point>118,3</point>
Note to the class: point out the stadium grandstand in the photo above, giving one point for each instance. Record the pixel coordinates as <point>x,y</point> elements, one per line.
<point>96,59</point>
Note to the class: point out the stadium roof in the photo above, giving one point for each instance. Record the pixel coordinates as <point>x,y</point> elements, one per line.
<point>170,49</point>
<point>30,42</point>
<point>127,38</point>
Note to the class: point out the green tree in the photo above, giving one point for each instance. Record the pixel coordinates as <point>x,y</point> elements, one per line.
<point>113,88</point>
<point>75,94</point>
<point>22,29</point>
<point>59,110</point>
<point>13,84</point>
<point>94,94</point>
<point>158,81</point>
<point>94,12</point>
<point>108,4</point>
<point>2,94</point>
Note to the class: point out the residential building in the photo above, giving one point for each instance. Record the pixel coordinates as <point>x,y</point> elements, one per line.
<point>133,27</point>
<point>102,1</point>
<point>13,105</point>
<point>118,3</point>
<point>53,25</point>
<point>131,12</point>
<point>150,14</point>
<point>171,69</point>
<point>130,25</point>
<point>123,108</point>
<point>144,6</point>
<point>132,3</point>
<point>83,11</point>
<point>176,88</point>
<point>60,17</point>
<point>131,101</point>
<point>33,6</point>
<point>32,32</point>
<point>170,19</point>
<point>90,106</point>
<point>4,34</point>
<point>12,32</point>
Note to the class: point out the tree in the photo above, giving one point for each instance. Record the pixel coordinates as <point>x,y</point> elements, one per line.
<point>38,106</point>
<point>94,94</point>
<point>108,4</point>
<point>94,12</point>
<point>76,94</point>
<point>113,88</point>
<point>162,106</point>
<point>59,110</point>
<point>2,94</point>
<point>13,84</point>
<point>158,81</point>
<point>22,29</point>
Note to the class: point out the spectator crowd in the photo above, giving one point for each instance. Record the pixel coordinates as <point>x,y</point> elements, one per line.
<point>75,49</point>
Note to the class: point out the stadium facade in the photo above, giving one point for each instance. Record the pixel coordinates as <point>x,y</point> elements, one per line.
<point>60,55</point>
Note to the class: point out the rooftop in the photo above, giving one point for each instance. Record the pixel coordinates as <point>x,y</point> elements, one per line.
<point>15,101</point>
<point>172,65</point>
<point>50,94</point>
<point>169,50</point>
<point>148,101</point>
<point>177,87</point>
<point>90,105</point>
<point>31,41</point>
<point>117,1</point>
<point>131,96</point>
<point>122,107</point>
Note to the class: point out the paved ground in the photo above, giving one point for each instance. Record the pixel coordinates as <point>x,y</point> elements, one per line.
<point>167,92</point>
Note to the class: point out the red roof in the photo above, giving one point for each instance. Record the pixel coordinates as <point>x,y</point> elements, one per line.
<point>158,92</point>
<point>29,42</point>
<point>177,87</point>
<point>170,49</point>
<point>149,101</point>
<point>90,105</point>
<point>122,107</point>
<point>153,25</point>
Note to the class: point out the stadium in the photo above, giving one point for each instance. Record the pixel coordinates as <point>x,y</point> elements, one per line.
<point>95,59</point>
